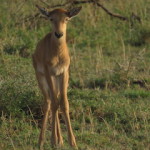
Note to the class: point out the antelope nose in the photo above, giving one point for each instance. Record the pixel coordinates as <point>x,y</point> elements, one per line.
<point>58,35</point>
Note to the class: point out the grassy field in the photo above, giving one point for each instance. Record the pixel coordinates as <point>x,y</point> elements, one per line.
<point>109,76</point>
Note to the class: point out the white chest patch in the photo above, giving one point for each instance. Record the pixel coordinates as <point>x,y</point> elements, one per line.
<point>53,70</point>
<point>58,69</point>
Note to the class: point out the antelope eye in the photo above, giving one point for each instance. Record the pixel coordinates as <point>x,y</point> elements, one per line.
<point>67,19</point>
<point>51,19</point>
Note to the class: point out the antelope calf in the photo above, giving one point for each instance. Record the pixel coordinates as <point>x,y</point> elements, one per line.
<point>51,62</point>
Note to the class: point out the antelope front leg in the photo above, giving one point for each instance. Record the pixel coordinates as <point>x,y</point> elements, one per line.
<point>54,112</point>
<point>54,126</point>
<point>60,139</point>
<point>64,105</point>
<point>44,123</point>
<point>45,91</point>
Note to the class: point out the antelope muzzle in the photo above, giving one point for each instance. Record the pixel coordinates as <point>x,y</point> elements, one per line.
<point>58,35</point>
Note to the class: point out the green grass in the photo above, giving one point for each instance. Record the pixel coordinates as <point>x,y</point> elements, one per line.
<point>109,77</point>
<point>101,120</point>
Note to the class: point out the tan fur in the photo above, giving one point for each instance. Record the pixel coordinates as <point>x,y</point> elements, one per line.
<point>51,61</point>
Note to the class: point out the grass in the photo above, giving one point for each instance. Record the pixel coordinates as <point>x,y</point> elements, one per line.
<point>109,77</point>
<point>104,120</point>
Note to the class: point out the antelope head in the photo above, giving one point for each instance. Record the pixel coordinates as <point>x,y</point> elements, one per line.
<point>59,19</point>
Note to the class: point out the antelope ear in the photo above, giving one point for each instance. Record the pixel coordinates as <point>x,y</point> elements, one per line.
<point>73,12</point>
<point>43,10</point>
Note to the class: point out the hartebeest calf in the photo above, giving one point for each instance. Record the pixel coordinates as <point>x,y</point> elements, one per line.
<point>51,61</point>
